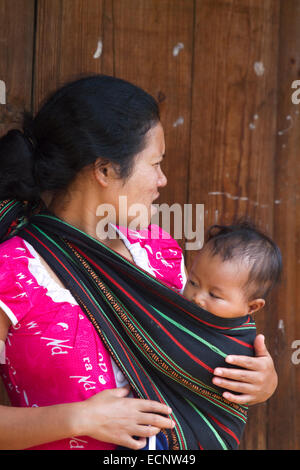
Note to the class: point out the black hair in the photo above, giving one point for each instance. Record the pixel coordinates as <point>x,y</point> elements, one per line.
<point>245,242</point>
<point>92,117</point>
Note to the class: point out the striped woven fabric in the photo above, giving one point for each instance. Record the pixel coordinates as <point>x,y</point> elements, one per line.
<point>166,346</point>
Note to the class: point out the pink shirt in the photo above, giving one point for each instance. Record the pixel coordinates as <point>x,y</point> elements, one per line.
<point>53,353</point>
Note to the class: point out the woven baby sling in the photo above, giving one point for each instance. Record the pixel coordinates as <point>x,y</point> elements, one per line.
<point>166,346</point>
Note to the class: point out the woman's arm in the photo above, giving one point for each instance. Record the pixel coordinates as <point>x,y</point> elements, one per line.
<point>255,384</point>
<point>27,427</point>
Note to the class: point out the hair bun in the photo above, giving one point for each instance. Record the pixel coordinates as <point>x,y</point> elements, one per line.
<point>17,166</point>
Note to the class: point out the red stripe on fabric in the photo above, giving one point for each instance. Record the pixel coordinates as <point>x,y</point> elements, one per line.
<point>7,207</point>
<point>241,342</point>
<point>198,361</point>
<point>222,426</point>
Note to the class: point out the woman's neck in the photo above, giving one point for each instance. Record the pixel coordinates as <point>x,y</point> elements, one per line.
<point>82,215</point>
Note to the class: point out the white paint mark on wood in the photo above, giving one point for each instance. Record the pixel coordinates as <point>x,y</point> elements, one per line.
<point>252,125</point>
<point>177,48</point>
<point>259,69</point>
<point>281,326</point>
<point>216,216</point>
<point>230,196</point>
<point>2,92</point>
<point>237,198</point>
<point>283,131</point>
<point>178,122</point>
<point>98,50</point>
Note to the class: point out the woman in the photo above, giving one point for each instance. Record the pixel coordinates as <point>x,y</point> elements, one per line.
<point>93,141</point>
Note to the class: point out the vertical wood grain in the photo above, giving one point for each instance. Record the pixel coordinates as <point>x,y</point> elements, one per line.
<point>69,35</point>
<point>16,56</point>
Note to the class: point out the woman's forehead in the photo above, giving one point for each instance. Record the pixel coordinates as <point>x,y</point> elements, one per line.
<point>155,140</point>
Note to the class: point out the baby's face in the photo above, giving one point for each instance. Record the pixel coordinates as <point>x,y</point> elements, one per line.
<point>217,285</point>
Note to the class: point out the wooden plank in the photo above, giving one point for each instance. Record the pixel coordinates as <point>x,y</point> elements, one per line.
<point>284,407</point>
<point>74,38</point>
<point>234,126</point>
<point>153,44</point>
<point>16,39</point>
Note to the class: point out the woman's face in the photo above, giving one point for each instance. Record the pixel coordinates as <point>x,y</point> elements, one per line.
<point>133,197</point>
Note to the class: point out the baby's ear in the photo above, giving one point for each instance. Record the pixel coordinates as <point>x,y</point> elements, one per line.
<point>255,305</point>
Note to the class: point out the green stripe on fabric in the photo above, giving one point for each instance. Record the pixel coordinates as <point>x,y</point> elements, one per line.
<point>218,437</point>
<point>10,208</point>
<point>245,328</point>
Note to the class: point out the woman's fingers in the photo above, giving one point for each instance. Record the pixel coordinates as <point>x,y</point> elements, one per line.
<point>239,399</point>
<point>156,420</point>
<point>250,363</point>
<point>152,406</point>
<point>134,444</point>
<point>234,386</point>
<point>145,431</point>
<point>239,375</point>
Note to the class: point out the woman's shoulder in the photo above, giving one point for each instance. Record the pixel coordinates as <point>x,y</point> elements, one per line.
<point>14,247</point>
<point>24,281</point>
<point>15,254</point>
<point>14,295</point>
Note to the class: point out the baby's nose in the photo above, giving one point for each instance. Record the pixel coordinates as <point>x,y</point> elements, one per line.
<point>199,300</point>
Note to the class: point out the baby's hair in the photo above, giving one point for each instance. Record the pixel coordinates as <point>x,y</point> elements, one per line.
<point>244,241</point>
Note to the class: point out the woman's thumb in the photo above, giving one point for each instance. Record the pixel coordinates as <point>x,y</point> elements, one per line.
<point>260,347</point>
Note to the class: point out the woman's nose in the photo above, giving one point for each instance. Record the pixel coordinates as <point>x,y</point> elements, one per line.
<point>162,181</point>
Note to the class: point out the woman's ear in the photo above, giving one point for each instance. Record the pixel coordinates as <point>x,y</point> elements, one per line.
<point>102,171</point>
<point>255,305</point>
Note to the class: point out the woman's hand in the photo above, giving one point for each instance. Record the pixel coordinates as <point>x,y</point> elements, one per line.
<point>255,384</point>
<point>110,416</point>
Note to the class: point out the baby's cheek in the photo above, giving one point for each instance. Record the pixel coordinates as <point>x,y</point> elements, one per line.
<point>190,293</point>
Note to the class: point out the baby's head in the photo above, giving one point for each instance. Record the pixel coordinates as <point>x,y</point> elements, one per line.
<point>234,272</point>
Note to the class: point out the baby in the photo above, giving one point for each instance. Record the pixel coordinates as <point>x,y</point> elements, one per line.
<point>230,279</point>
<point>235,270</point>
